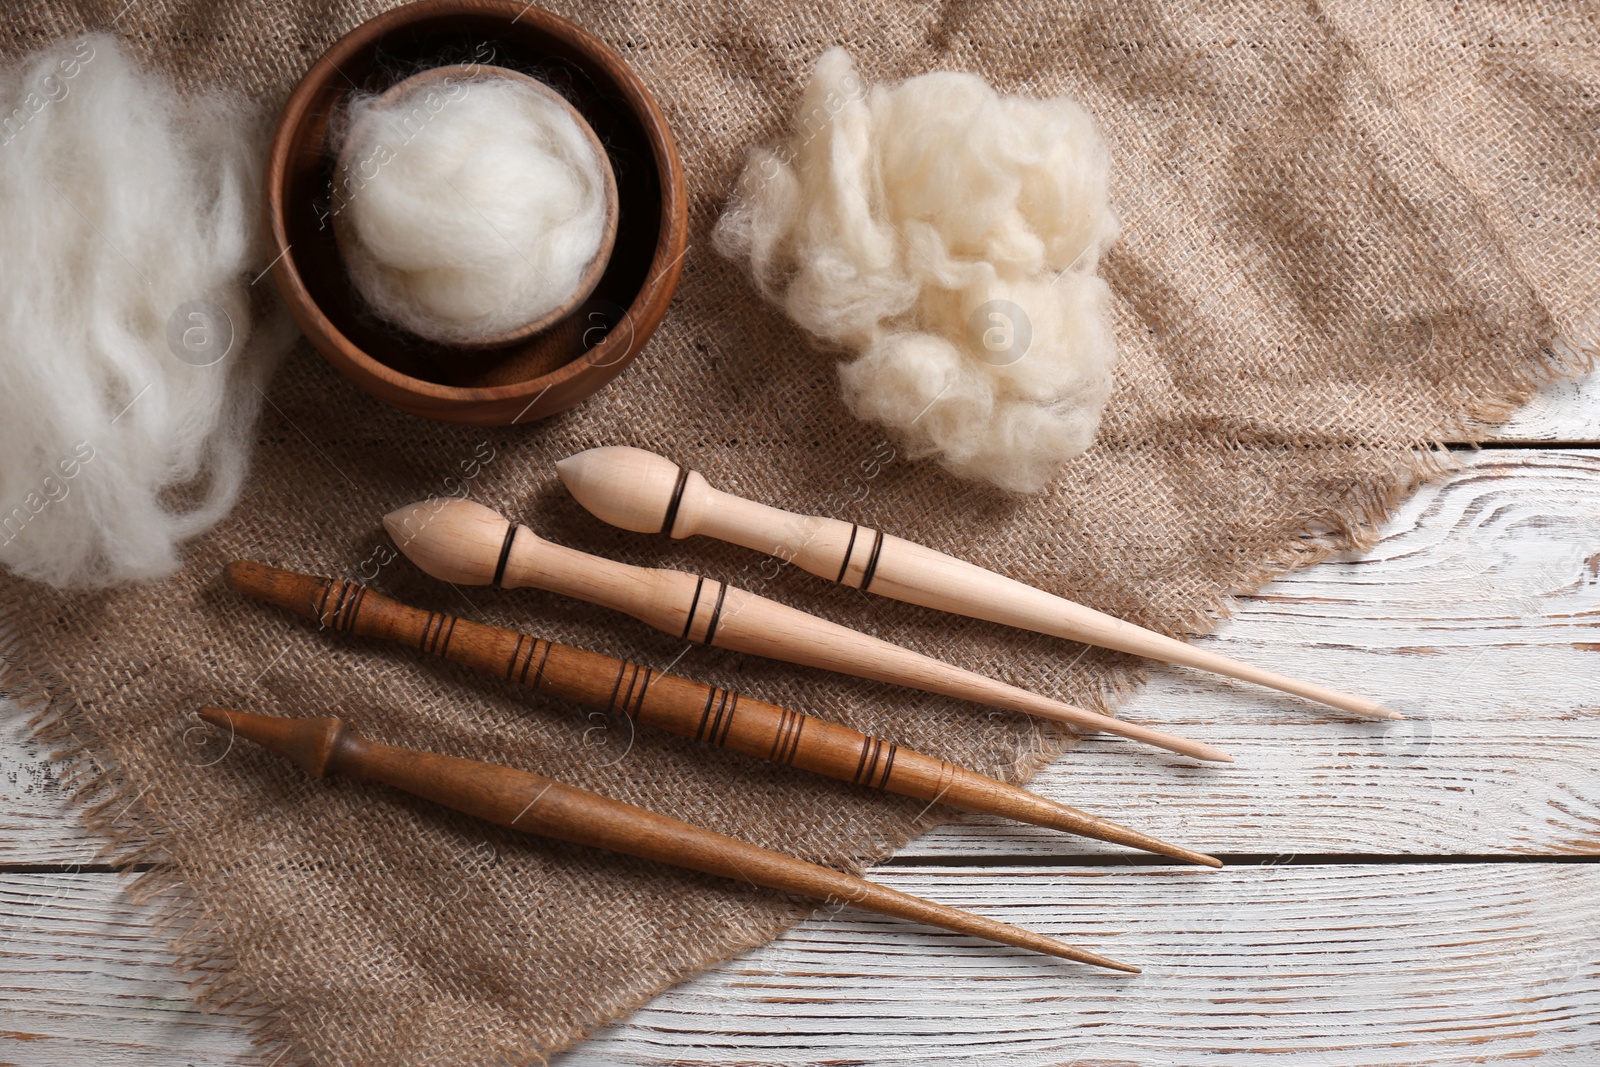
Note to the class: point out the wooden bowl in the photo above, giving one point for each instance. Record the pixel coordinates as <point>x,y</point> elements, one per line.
<point>523,380</point>
<point>415,90</point>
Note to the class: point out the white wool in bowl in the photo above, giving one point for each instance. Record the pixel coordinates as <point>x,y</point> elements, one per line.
<point>949,237</point>
<point>469,207</point>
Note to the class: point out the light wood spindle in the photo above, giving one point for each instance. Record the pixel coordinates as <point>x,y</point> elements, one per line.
<point>647,493</point>
<point>463,542</point>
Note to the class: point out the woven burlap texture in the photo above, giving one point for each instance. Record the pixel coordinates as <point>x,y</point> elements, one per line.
<point>1348,230</point>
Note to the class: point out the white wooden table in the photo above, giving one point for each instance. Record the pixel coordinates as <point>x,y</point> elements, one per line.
<point>1418,893</point>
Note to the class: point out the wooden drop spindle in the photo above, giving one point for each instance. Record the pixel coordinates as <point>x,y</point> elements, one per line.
<point>647,493</point>
<point>525,801</point>
<point>677,705</point>
<point>465,543</point>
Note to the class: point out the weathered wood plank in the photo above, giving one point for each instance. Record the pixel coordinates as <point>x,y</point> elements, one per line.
<point>1476,614</point>
<point>1448,788</point>
<point>1331,967</point>
<point>1325,966</point>
<point>37,822</point>
<point>1478,605</point>
<point>1562,411</point>
<point>86,981</point>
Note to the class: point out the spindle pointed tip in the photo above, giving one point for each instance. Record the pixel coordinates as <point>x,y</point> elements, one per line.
<point>1367,709</point>
<point>1060,949</point>
<point>1211,754</point>
<point>401,522</point>
<point>1041,812</point>
<point>219,717</point>
<point>576,465</point>
<point>1178,852</point>
<point>1108,963</point>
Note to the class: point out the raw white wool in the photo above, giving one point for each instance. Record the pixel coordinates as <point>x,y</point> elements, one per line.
<point>129,365</point>
<point>471,207</point>
<point>949,237</point>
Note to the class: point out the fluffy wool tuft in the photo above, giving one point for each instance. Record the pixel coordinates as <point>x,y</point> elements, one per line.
<point>129,371</point>
<point>949,236</point>
<point>472,208</point>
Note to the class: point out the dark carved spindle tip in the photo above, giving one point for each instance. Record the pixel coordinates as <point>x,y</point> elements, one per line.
<point>302,594</point>
<point>308,742</point>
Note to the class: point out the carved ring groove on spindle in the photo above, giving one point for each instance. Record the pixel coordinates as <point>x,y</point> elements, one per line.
<point>701,589</point>
<point>436,633</point>
<point>544,656</point>
<point>526,648</point>
<point>871,566</point>
<point>523,640</point>
<point>632,710</point>
<point>849,547</point>
<point>717,716</point>
<point>343,614</point>
<point>716,615</point>
<point>671,517</point>
<point>616,686</point>
<point>446,632</point>
<point>628,701</point>
<point>875,754</point>
<point>322,601</point>
<point>340,604</point>
<point>694,602</point>
<point>786,740</point>
<point>505,556</point>
<point>350,612</point>
<point>424,639</point>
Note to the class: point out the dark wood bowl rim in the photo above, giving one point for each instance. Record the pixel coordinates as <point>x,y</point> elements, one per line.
<point>665,264</point>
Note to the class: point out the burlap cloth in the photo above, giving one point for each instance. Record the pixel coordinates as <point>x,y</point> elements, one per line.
<point>1347,229</point>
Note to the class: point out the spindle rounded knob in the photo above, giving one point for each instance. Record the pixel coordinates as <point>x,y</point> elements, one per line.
<point>630,488</point>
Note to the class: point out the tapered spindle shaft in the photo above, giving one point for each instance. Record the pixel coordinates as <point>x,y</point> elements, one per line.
<point>641,491</point>
<point>530,802</point>
<point>466,543</point>
<point>677,705</point>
